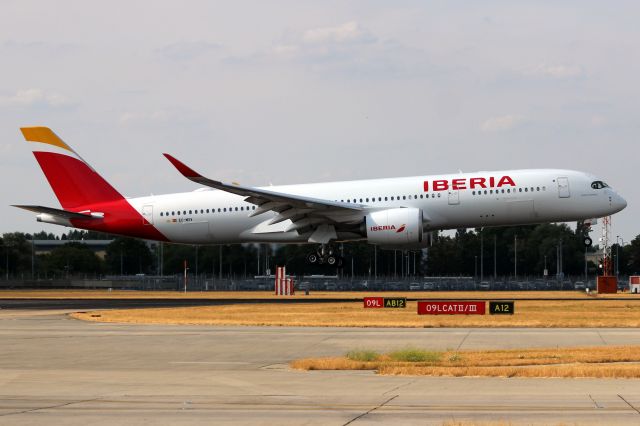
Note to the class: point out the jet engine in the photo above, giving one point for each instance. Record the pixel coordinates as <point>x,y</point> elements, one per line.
<point>395,227</point>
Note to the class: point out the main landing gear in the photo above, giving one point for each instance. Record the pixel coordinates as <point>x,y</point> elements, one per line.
<point>325,256</point>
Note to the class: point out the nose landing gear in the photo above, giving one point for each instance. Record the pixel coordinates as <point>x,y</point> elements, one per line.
<point>325,256</point>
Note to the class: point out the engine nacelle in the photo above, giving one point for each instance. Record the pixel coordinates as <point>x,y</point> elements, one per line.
<point>56,220</point>
<point>395,227</point>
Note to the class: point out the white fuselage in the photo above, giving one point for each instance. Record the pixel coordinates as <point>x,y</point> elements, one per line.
<point>462,200</point>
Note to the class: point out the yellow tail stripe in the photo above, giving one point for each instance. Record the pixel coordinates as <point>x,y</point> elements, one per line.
<point>44,135</point>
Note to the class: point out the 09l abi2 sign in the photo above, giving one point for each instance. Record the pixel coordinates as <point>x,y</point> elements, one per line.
<point>385,302</point>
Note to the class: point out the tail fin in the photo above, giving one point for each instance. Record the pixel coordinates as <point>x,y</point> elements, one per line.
<point>74,182</point>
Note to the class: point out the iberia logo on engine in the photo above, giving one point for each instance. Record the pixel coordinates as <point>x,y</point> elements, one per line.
<point>388,228</point>
<point>382,228</point>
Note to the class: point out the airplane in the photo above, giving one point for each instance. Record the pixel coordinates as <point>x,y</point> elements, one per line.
<point>393,213</point>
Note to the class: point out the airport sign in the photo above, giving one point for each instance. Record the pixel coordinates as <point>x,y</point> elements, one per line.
<point>451,307</point>
<point>502,307</point>
<point>395,302</point>
<point>373,302</point>
<point>385,302</point>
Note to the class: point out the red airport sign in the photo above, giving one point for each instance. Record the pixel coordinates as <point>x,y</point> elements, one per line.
<point>451,307</point>
<point>374,302</point>
<point>385,302</point>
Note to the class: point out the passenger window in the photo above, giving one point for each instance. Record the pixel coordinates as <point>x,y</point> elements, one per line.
<point>224,209</point>
<point>404,197</point>
<point>173,213</point>
<point>367,200</point>
<point>236,209</point>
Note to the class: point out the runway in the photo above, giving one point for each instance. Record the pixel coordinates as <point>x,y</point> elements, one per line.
<point>54,369</point>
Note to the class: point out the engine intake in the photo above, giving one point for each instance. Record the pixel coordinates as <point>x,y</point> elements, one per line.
<point>401,226</point>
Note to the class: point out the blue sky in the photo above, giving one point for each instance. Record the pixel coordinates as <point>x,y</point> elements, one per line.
<point>308,91</point>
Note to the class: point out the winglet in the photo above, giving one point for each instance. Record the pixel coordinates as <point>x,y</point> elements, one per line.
<point>183,168</point>
<point>43,135</point>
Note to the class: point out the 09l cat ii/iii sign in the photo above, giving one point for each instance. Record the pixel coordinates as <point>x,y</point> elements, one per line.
<point>451,307</point>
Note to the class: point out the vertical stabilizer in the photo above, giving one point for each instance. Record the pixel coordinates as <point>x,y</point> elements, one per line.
<point>74,182</point>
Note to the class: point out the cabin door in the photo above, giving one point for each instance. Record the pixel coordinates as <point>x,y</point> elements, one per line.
<point>147,214</point>
<point>563,187</point>
<point>454,197</point>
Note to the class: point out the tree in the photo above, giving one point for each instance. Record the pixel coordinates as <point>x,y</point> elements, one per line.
<point>71,259</point>
<point>129,256</point>
<point>632,254</point>
<point>17,252</point>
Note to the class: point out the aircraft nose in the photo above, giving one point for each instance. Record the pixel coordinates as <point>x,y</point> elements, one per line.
<point>618,202</point>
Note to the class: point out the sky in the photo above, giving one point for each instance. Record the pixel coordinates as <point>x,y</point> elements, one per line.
<point>308,91</point>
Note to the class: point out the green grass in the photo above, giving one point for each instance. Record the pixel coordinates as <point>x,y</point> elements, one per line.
<point>415,355</point>
<point>363,355</point>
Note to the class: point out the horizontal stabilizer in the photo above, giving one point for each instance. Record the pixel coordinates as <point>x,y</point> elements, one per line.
<point>64,214</point>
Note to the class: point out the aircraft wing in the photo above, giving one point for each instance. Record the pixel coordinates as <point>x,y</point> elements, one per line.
<point>64,214</point>
<point>306,213</point>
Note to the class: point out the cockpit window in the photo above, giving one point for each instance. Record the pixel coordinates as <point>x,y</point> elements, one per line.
<point>598,184</point>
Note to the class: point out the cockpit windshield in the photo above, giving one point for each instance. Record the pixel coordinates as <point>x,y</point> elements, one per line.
<point>598,184</point>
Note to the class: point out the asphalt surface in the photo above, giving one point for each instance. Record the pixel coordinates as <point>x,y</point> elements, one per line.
<point>54,369</point>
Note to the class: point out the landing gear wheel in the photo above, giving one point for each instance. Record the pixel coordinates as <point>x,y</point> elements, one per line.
<point>331,260</point>
<point>587,242</point>
<point>313,258</point>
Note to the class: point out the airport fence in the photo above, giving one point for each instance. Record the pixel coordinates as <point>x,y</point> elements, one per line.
<point>308,283</point>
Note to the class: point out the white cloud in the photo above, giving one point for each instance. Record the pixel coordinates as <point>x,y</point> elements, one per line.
<point>345,33</point>
<point>501,123</point>
<point>556,71</point>
<point>33,97</point>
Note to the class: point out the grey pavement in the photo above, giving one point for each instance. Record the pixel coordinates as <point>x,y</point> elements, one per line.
<point>57,370</point>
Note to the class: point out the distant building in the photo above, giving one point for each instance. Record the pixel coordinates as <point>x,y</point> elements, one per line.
<point>99,247</point>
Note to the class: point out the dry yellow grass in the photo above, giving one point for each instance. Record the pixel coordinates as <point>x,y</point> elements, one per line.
<point>133,294</point>
<point>529,313</point>
<point>601,362</point>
